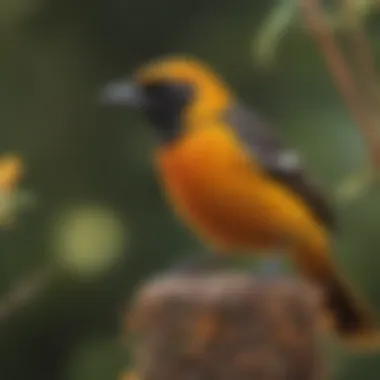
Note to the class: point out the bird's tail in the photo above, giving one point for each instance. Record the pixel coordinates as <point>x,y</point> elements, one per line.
<point>351,320</point>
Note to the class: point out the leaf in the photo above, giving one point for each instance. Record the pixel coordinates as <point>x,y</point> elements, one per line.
<point>273,29</point>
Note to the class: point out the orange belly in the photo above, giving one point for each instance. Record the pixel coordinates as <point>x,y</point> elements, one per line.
<point>223,196</point>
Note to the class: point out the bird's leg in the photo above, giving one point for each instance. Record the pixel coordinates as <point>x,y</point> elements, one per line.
<point>195,263</point>
<point>271,266</point>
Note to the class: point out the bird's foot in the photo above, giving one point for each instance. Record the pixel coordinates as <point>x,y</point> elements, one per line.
<point>270,267</point>
<point>196,264</point>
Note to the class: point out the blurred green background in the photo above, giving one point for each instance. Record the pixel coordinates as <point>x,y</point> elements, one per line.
<point>99,224</point>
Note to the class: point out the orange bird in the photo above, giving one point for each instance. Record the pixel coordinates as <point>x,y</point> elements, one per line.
<point>232,180</point>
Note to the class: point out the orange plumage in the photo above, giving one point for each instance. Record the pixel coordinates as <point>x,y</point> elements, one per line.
<point>215,187</point>
<point>231,180</point>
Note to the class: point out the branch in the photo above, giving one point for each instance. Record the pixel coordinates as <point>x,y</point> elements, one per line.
<point>361,51</point>
<point>319,28</point>
<point>363,112</point>
<point>24,291</point>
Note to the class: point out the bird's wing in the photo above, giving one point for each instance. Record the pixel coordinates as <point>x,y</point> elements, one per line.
<point>280,162</point>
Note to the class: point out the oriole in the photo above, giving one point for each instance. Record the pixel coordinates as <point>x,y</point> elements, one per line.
<point>232,180</point>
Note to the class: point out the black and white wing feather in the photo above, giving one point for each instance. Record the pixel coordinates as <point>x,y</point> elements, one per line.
<point>280,162</point>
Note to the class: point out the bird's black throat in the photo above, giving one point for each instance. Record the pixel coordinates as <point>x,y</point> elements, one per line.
<point>164,106</point>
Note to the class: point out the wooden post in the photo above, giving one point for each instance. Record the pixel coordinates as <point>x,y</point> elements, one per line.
<point>226,326</point>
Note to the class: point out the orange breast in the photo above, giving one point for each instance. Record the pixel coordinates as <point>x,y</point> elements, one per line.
<point>223,195</point>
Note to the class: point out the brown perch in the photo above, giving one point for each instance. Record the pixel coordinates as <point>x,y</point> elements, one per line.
<point>226,326</point>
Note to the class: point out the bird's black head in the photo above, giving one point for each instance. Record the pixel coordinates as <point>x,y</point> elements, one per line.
<point>163,102</point>
<point>171,92</point>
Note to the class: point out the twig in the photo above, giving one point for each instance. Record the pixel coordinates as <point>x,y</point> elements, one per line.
<point>23,291</point>
<point>340,72</point>
<point>361,50</point>
<point>362,54</point>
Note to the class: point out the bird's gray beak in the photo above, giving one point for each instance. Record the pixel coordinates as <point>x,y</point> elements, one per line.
<point>122,93</point>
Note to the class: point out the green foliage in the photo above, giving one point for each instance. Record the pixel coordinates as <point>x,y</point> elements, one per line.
<point>96,359</point>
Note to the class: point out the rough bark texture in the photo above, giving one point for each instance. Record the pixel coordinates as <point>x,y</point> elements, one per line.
<point>226,326</point>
